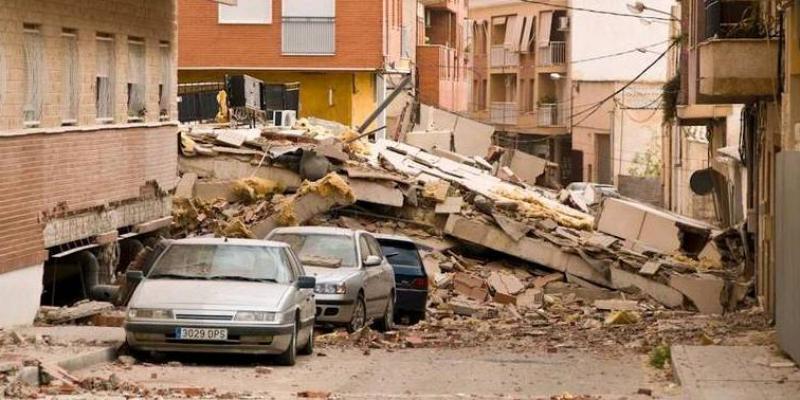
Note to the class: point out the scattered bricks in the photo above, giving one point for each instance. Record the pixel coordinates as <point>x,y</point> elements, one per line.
<point>531,299</point>
<point>470,286</point>
<point>542,281</point>
<point>465,307</point>
<point>436,190</point>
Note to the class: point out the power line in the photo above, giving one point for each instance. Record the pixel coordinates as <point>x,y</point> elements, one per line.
<point>591,10</point>
<point>622,53</point>
<point>620,90</point>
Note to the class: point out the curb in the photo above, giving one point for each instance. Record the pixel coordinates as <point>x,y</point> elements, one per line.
<point>86,360</point>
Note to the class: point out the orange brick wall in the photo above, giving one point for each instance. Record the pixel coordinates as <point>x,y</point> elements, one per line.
<point>74,171</point>
<point>204,43</point>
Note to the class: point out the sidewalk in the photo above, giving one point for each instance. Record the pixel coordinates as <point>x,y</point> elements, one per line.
<point>735,373</point>
<point>58,349</point>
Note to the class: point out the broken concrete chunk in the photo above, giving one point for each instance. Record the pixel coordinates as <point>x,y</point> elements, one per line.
<point>451,205</point>
<point>377,192</point>
<point>616,305</point>
<point>650,268</point>
<point>542,281</point>
<point>531,299</point>
<point>664,294</point>
<point>185,186</point>
<point>436,190</point>
<point>705,291</point>
<point>443,280</point>
<point>514,229</point>
<point>505,283</point>
<point>470,286</point>
<point>465,307</point>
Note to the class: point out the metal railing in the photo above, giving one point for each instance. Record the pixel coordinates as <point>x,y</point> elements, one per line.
<point>551,115</point>
<point>503,112</point>
<point>501,57</point>
<point>309,35</point>
<point>552,53</point>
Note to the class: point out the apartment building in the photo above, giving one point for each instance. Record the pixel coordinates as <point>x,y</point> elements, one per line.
<point>444,60</point>
<point>344,53</point>
<point>620,137</point>
<point>87,143</point>
<point>746,53</point>
<point>521,75</point>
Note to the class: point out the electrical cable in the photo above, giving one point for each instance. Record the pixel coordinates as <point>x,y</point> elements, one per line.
<point>591,10</point>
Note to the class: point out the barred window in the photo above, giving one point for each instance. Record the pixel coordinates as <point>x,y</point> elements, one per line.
<point>71,79</point>
<point>137,102</point>
<point>33,49</point>
<point>105,78</point>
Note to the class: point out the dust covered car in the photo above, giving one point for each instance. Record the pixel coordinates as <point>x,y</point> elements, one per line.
<point>355,282</point>
<point>223,296</point>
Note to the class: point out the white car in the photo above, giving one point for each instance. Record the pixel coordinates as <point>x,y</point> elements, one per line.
<point>223,296</point>
<point>355,282</point>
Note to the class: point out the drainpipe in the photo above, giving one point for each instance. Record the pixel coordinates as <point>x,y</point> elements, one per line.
<point>90,274</point>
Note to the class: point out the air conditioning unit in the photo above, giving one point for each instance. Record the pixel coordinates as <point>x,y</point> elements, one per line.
<point>563,24</point>
<point>284,118</point>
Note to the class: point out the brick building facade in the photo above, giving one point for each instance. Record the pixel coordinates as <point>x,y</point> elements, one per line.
<point>344,53</point>
<point>87,136</point>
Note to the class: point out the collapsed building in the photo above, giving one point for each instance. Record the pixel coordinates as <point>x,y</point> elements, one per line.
<point>245,182</point>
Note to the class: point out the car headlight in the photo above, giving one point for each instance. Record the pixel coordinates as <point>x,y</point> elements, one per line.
<point>331,288</point>
<point>254,316</point>
<point>150,313</point>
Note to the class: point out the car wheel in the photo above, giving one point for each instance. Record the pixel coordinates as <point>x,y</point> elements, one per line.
<point>387,322</point>
<point>359,317</point>
<point>308,349</point>
<point>289,357</point>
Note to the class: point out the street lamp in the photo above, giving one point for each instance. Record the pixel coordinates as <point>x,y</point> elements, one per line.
<point>639,7</point>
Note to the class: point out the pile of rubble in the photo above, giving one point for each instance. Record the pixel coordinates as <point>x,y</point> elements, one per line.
<point>245,182</point>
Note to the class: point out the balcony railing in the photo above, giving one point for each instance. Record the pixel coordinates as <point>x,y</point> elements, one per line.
<point>551,115</point>
<point>501,57</point>
<point>503,112</point>
<point>309,35</point>
<point>552,53</point>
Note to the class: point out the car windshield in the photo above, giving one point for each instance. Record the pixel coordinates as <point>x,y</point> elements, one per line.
<point>223,262</point>
<point>321,250</point>
<point>401,253</point>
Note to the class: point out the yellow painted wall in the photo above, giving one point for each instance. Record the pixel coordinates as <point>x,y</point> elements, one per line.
<point>353,93</point>
<point>363,98</point>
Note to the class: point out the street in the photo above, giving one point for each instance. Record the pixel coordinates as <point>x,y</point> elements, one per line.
<point>347,373</point>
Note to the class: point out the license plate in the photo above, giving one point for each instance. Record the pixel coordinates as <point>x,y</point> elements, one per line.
<point>212,334</point>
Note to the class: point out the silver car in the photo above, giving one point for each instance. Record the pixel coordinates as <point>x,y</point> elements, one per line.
<point>355,282</point>
<point>223,296</point>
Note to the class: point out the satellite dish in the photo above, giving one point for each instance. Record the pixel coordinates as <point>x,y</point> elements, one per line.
<point>702,181</point>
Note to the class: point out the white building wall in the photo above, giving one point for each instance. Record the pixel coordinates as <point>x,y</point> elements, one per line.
<point>598,35</point>
<point>21,290</point>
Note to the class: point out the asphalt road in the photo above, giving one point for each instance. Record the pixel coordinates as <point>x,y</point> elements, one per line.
<point>484,372</point>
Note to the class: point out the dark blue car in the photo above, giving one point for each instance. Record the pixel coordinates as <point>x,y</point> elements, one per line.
<point>410,277</point>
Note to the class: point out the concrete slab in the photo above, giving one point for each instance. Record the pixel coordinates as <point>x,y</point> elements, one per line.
<point>733,373</point>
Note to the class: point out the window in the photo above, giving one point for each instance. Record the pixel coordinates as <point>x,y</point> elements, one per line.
<point>365,249</point>
<point>309,27</point>
<point>71,78</point>
<point>34,73</point>
<point>321,250</point>
<point>246,12</point>
<point>105,78</point>
<point>165,84</point>
<point>223,262</point>
<point>137,102</point>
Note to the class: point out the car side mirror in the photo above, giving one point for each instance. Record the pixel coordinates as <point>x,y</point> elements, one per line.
<point>372,261</point>
<point>134,276</point>
<point>306,282</point>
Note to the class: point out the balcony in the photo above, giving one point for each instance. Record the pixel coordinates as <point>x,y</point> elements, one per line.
<point>552,54</point>
<point>501,57</point>
<point>736,70</point>
<point>551,115</point>
<point>503,113</point>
